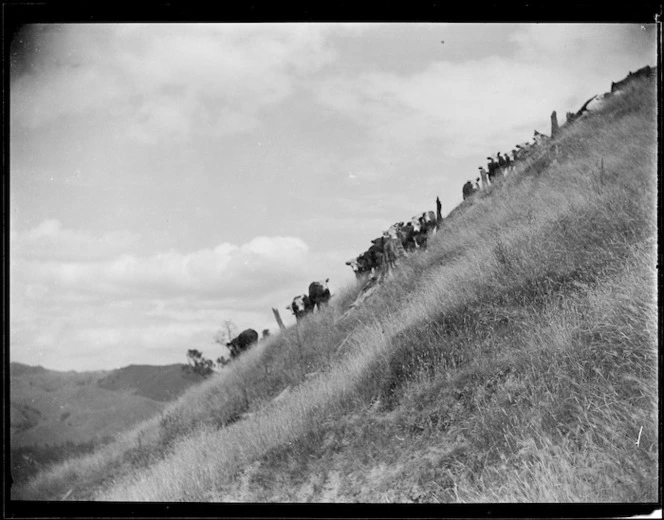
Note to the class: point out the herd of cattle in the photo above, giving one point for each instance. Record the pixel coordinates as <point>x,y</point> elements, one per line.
<point>399,240</point>
<point>403,238</point>
<point>500,165</point>
<point>319,295</point>
<point>303,304</point>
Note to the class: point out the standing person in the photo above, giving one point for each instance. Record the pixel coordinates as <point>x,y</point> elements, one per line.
<point>439,215</point>
<point>476,185</point>
<point>483,176</point>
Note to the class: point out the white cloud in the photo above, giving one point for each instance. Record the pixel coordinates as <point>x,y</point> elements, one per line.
<point>50,256</point>
<point>130,307</point>
<point>50,241</point>
<point>167,81</point>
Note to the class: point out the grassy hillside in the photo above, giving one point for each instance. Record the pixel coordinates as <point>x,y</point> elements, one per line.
<point>513,361</point>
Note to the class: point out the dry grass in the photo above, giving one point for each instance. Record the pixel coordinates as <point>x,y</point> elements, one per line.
<point>513,361</point>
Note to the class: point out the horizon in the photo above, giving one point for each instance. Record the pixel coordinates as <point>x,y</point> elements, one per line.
<point>169,177</point>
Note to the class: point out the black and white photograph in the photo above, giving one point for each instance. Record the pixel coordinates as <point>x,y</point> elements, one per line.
<point>333,262</point>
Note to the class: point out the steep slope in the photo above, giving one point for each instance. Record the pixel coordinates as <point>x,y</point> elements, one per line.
<point>515,360</point>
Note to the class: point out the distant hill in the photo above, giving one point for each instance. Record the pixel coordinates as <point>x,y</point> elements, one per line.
<point>53,407</point>
<point>160,383</point>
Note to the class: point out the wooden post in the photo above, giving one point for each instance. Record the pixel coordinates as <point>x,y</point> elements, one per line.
<point>299,345</point>
<point>278,318</point>
<point>554,124</point>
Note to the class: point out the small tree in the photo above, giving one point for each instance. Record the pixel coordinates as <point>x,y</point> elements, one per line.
<point>226,333</point>
<point>198,364</point>
<point>194,357</point>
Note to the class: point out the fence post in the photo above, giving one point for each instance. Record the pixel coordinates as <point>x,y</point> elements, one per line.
<point>299,345</point>
<point>278,318</point>
<point>554,124</point>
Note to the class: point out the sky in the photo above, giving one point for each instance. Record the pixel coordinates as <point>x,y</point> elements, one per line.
<point>165,178</point>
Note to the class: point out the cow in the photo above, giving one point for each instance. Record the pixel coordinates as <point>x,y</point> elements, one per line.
<point>492,168</point>
<point>394,229</point>
<point>421,240</point>
<point>355,265</point>
<point>301,306</point>
<point>319,294</point>
<point>360,265</point>
<point>483,176</point>
<point>467,190</point>
<point>428,222</point>
<point>427,227</point>
<point>509,166</point>
<point>501,161</point>
<point>540,138</point>
<point>374,256</point>
<point>365,263</point>
<point>407,236</point>
<point>393,234</point>
<point>242,342</point>
<point>524,150</point>
<point>390,252</point>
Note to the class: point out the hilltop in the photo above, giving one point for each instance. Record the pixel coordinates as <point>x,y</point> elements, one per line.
<point>515,360</point>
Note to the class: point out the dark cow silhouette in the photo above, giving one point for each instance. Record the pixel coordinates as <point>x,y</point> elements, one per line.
<point>427,226</point>
<point>242,342</point>
<point>501,161</point>
<point>407,234</point>
<point>467,190</point>
<point>390,252</point>
<point>361,265</point>
<point>319,294</point>
<point>492,168</point>
<point>386,249</point>
<point>301,306</point>
<point>375,256</point>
